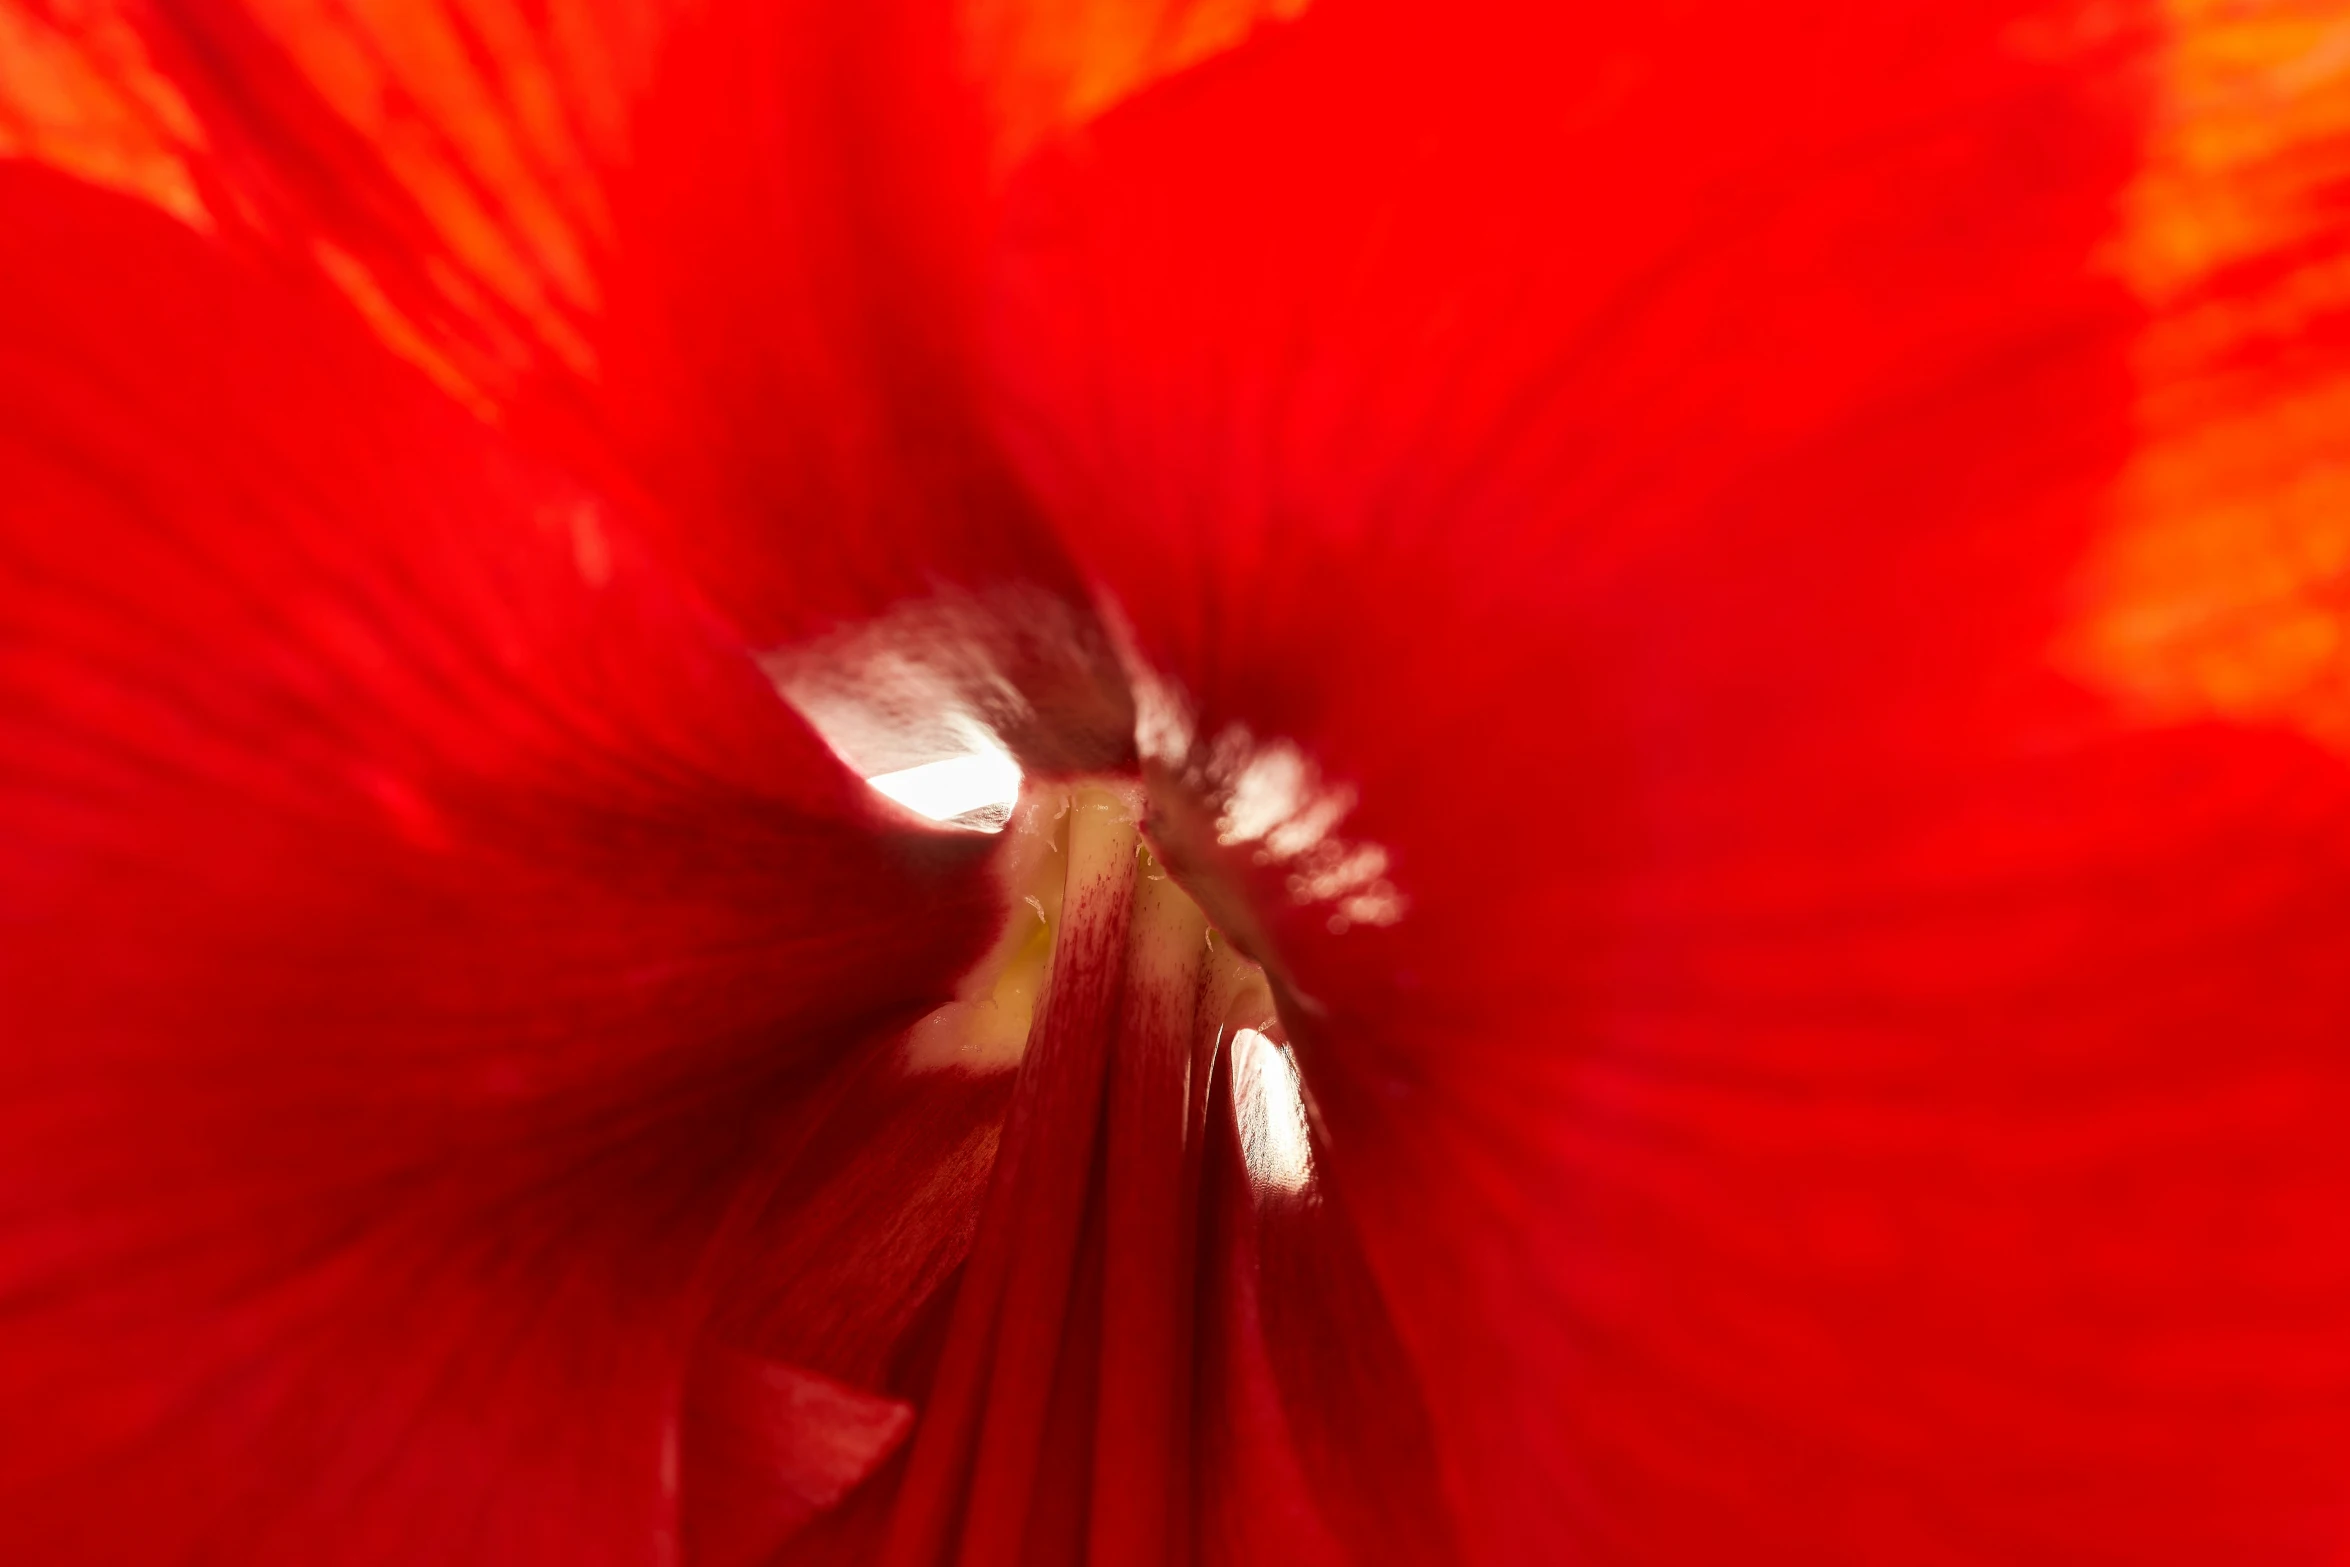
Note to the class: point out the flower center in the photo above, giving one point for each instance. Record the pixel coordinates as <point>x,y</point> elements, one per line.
<point>1066,837</point>
<point>1126,1017</point>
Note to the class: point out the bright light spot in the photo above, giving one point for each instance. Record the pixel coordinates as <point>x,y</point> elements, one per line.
<point>1272,1111</point>
<point>1276,805</point>
<point>1271,787</point>
<point>978,786</point>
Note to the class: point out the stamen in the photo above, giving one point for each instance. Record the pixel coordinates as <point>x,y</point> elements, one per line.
<point>1150,1187</point>
<point>985,1028</point>
<point>975,1452</point>
<point>1049,1138</point>
<point>1060,1422</point>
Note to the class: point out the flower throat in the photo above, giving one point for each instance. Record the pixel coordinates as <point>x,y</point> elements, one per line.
<point>1145,1047</point>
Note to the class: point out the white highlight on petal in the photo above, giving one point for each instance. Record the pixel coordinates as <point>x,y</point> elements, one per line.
<point>906,704</point>
<point>1272,801</point>
<point>1269,1100</point>
<point>982,784</point>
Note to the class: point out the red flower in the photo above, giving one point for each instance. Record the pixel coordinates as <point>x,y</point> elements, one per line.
<point>1741,607</point>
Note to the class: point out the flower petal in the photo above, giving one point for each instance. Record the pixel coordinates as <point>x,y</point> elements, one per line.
<point>1313,1435</point>
<point>875,1211</point>
<point>768,1447</point>
<point>1836,1090</point>
<point>791,319</point>
<point>1049,66</point>
<point>417,919</point>
<point>728,251</point>
<point>80,93</point>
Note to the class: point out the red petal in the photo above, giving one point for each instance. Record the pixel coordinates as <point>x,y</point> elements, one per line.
<point>1314,1441</point>
<point>767,1447</point>
<point>729,251</point>
<point>1838,1091</point>
<point>874,1212</point>
<point>720,256</point>
<point>1006,1420</point>
<point>1049,66</point>
<point>791,322</point>
<point>839,1268</point>
<point>418,916</point>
